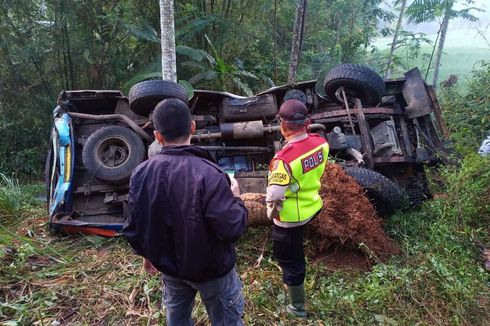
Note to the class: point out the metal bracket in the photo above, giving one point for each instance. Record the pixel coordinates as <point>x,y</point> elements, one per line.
<point>346,103</point>
<point>365,135</point>
<point>114,198</point>
<point>86,189</point>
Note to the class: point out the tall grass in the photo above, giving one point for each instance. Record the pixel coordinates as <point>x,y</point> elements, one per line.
<point>442,246</point>
<point>466,110</point>
<point>12,198</point>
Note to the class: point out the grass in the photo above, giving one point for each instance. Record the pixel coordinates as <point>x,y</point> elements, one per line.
<point>454,61</point>
<point>46,279</point>
<point>15,200</point>
<point>457,61</point>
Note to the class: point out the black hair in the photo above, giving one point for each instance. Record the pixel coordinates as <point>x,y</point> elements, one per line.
<point>294,127</point>
<point>172,118</point>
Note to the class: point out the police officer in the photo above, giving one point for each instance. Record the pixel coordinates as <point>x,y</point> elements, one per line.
<point>292,197</point>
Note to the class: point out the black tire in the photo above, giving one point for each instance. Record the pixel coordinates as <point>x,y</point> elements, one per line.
<point>417,190</point>
<point>112,153</point>
<point>144,96</point>
<point>359,81</point>
<point>381,191</point>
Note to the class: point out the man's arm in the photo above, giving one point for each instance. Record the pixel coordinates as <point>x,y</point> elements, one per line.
<point>130,230</point>
<point>278,183</point>
<point>224,212</point>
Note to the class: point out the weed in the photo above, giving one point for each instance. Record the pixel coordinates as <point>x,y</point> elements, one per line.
<point>15,200</point>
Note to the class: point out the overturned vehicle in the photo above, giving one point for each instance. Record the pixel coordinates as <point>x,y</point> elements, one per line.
<point>382,132</point>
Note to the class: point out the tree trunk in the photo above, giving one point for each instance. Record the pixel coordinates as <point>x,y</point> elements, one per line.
<point>169,70</point>
<point>440,48</point>
<point>299,28</point>
<point>339,29</point>
<point>436,42</point>
<point>274,41</point>
<point>395,38</point>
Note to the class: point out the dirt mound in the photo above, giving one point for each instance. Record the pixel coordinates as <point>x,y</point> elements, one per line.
<point>348,218</point>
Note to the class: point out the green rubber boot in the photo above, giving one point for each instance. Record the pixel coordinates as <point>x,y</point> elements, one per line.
<point>297,299</point>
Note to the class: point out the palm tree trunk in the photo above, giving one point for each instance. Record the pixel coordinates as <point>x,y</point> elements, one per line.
<point>395,38</point>
<point>299,28</point>
<point>169,70</point>
<point>440,48</point>
<point>274,41</point>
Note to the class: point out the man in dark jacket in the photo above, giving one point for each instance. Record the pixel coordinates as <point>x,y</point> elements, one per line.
<point>183,218</point>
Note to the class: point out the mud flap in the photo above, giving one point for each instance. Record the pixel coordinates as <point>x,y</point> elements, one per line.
<point>416,95</point>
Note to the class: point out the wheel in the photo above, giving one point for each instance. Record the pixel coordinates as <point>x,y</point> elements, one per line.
<point>382,192</point>
<point>295,94</point>
<point>418,188</point>
<point>112,153</point>
<point>144,96</point>
<point>358,81</point>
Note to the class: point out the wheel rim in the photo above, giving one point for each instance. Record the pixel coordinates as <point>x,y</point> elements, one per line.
<point>113,152</point>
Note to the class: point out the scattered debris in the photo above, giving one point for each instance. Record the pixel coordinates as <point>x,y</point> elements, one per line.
<point>484,149</point>
<point>486,259</point>
<point>485,254</point>
<point>7,254</point>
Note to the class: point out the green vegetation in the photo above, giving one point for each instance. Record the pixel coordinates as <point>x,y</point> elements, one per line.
<point>16,199</point>
<point>466,110</point>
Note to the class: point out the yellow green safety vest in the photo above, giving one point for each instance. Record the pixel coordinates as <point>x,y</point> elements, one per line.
<point>300,165</point>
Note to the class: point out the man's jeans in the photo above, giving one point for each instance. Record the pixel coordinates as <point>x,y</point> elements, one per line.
<point>222,297</point>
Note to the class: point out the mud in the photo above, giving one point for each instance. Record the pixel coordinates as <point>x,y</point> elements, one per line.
<point>342,258</point>
<point>348,220</point>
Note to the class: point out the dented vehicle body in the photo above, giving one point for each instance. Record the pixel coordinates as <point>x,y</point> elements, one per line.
<point>394,136</point>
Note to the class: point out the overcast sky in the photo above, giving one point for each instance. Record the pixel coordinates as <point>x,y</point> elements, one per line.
<point>484,19</point>
<point>461,33</point>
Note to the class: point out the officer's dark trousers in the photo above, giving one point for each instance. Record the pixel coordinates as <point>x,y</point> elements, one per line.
<point>289,253</point>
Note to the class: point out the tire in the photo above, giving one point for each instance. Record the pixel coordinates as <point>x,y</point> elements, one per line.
<point>144,96</point>
<point>359,81</point>
<point>112,153</point>
<point>382,192</point>
<point>417,190</point>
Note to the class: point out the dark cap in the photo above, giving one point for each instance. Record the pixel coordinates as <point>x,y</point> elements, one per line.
<point>293,111</point>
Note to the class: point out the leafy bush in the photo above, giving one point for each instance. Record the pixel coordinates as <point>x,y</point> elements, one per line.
<point>466,109</point>
<point>441,243</point>
<point>11,197</point>
<point>14,198</point>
